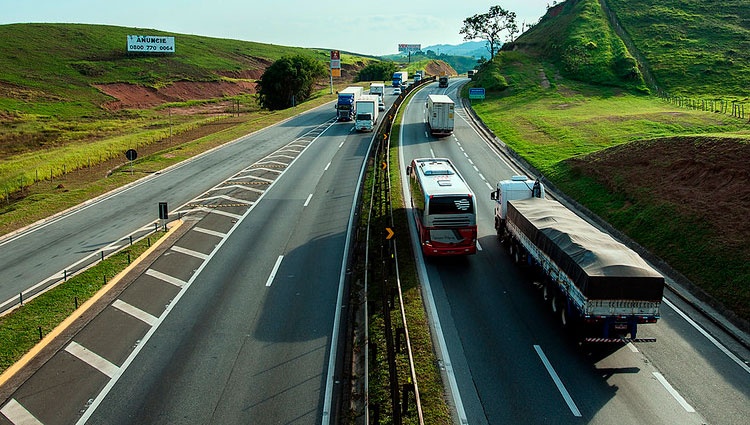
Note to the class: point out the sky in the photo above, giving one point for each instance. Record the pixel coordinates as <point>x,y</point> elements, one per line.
<point>370,28</point>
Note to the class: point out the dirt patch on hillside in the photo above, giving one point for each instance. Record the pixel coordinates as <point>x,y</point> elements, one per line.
<point>707,178</point>
<point>439,68</point>
<point>133,96</point>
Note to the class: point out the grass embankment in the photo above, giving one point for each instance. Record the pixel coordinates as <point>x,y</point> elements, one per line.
<point>432,393</point>
<point>20,329</point>
<point>571,120</point>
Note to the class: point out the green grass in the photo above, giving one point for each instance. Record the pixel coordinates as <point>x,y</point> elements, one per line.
<point>693,47</point>
<point>19,329</point>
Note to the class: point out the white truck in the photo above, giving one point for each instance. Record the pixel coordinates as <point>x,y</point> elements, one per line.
<point>440,111</point>
<point>379,89</point>
<point>367,112</point>
<point>599,288</point>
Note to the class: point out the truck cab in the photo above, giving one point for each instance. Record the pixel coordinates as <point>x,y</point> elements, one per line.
<point>518,187</point>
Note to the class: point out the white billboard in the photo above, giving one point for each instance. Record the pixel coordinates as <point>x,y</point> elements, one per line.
<point>150,44</point>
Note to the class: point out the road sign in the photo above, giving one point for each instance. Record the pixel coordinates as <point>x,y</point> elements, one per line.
<point>390,233</point>
<point>131,154</point>
<point>476,93</point>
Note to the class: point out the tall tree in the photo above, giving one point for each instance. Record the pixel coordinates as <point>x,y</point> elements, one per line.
<point>289,80</point>
<point>489,26</point>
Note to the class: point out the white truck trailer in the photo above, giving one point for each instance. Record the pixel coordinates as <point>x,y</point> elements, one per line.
<point>440,111</point>
<point>367,112</point>
<point>598,287</point>
<point>379,89</point>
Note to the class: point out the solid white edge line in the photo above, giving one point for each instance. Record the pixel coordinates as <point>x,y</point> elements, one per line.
<point>18,415</point>
<point>307,202</point>
<point>560,387</point>
<point>708,336</point>
<point>450,374</point>
<point>276,266</point>
<point>685,405</point>
<point>107,388</point>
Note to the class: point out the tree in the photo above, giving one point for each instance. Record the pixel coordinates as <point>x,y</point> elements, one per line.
<point>289,80</point>
<point>489,26</point>
<point>377,71</point>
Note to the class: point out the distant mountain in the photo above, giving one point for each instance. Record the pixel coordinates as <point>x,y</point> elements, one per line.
<point>474,49</point>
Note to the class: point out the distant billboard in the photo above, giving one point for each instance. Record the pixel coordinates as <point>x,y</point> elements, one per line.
<point>409,47</point>
<point>150,44</point>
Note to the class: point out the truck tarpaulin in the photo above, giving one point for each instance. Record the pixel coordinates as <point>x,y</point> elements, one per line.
<point>600,266</point>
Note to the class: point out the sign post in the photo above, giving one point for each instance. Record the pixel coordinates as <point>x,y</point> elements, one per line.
<point>335,66</point>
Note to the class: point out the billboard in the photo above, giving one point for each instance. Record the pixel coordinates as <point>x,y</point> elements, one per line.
<point>150,44</point>
<point>403,47</point>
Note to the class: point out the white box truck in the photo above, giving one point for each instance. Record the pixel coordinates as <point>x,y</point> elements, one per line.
<point>367,112</point>
<point>379,90</point>
<point>440,110</point>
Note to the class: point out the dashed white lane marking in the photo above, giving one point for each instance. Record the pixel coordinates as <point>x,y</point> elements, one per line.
<point>190,252</point>
<point>275,269</point>
<point>166,278</point>
<point>209,232</point>
<point>632,347</point>
<point>685,405</point>
<point>136,312</point>
<point>92,359</point>
<point>560,387</point>
<point>18,414</point>
<point>479,247</point>
<point>307,202</point>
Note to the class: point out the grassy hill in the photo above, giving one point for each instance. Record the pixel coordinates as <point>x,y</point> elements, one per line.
<point>571,97</point>
<point>50,69</point>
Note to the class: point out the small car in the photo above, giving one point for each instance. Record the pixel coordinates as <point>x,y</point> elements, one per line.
<point>397,91</point>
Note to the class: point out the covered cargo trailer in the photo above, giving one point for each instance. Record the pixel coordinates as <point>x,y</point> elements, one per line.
<point>440,115</point>
<point>367,112</point>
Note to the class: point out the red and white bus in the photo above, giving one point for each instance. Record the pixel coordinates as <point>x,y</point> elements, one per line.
<point>444,208</point>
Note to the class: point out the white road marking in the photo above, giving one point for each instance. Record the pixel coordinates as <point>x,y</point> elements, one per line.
<point>632,347</point>
<point>479,247</point>
<point>560,387</point>
<point>92,359</point>
<point>220,212</point>
<point>18,414</point>
<point>327,166</point>
<point>307,202</point>
<point>275,269</point>
<point>136,312</point>
<point>209,232</point>
<point>713,340</point>
<point>189,252</point>
<point>685,405</point>
<point>166,278</point>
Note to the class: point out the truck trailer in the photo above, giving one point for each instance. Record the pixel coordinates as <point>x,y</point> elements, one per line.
<point>367,112</point>
<point>599,288</point>
<point>379,90</point>
<point>440,111</point>
<point>345,105</point>
<point>400,78</point>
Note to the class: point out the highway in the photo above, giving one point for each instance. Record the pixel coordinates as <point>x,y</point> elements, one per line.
<point>239,319</point>
<point>508,360</point>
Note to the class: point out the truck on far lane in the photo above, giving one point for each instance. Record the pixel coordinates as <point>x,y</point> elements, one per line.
<point>367,112</point>
<point>400,78</point>
<point>345,104</point>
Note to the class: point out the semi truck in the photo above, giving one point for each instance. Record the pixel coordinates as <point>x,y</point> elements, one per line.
<point>443,81</point>
<point>599,288</point>
<point>367,112</point>
<point>345,105</point>
<point>440,111</point>
<point>400,78</point>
